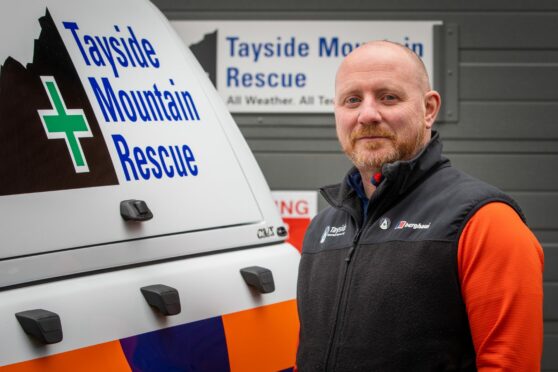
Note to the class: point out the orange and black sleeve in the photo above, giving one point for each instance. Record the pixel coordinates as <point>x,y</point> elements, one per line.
<point>500,266</point>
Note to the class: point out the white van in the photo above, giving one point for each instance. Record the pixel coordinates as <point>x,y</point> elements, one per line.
<point>137,231</point>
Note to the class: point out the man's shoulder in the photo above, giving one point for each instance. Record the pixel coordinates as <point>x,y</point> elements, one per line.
<point>456,189</point>
<point>454,180</point>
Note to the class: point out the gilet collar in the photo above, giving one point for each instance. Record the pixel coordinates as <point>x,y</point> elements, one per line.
<point>399,176</point>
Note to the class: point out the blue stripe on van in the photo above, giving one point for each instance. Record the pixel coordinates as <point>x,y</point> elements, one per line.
<point>197,346</point>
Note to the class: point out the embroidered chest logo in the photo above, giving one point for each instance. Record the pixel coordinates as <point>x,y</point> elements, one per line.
<point>385,223</point>
<point>333,231</point>
<point>409,225</point>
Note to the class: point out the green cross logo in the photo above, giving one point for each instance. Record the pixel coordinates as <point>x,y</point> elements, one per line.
<point>63,123</point>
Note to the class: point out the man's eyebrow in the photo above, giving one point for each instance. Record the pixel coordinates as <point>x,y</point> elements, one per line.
<point>392,89</point>
<point>344,92</point>
<point>382,88</point>
<point>346,88</point>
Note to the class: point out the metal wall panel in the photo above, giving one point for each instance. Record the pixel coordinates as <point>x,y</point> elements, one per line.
<point>509,81</point>
<point>550,357</point>
<point>551,260</point>
<point>507,132</point>
<point>170,6</point>
<point>540,209</point>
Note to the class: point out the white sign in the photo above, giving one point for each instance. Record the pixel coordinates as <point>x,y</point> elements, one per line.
<point>289,66</point>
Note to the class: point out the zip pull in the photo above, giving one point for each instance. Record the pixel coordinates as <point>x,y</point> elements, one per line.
<point>350,254</point>
<point>352,249</point>
<point>356,238</point>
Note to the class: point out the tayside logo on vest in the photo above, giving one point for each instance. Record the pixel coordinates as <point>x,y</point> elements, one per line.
<point>50,139</point>
<point>332,231</point>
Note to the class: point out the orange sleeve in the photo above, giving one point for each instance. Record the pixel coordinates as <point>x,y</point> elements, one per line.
<point>500,266</point>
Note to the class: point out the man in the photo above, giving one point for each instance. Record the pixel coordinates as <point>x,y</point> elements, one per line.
<point>416,266</point>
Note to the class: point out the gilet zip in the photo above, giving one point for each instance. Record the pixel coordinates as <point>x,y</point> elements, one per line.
<point>341,304</point>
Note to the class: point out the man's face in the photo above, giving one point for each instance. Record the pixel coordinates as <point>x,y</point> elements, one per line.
<point>380,107</point>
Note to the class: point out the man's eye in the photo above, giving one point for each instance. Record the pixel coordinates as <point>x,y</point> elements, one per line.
<point>389,97</point>
<point>352,100</point>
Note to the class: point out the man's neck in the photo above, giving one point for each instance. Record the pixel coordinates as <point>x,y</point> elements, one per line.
<point>366,176</point>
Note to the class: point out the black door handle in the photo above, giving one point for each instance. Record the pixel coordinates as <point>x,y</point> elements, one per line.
<point>135,210</point>
<point>259,277</point>
<point>163,298</point>
<point>44,325</point>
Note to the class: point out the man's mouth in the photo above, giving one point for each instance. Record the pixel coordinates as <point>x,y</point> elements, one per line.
<point>371,138</point>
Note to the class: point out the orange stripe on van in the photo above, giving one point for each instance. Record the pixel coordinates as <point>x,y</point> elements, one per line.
<point>262,339</point>
<point>103,357</point>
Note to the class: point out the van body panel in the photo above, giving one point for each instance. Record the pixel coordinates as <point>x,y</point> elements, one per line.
<point>100,308</point>
<point>121,169</point>
<point>162,130</point>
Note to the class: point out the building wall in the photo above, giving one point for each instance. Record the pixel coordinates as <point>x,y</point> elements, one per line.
<point>507,132</point>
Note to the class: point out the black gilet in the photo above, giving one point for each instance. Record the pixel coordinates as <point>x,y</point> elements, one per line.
<point>384,295</point>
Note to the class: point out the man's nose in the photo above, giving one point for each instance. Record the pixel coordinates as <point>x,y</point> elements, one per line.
<point>369,113</point>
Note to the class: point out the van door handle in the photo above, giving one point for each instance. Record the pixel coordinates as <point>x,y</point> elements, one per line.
<point>44,325</point>
<point>163,298</point>
<point>259,278</point>
<point>135,210</point>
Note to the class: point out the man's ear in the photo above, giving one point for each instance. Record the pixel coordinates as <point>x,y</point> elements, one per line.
<point>432,102</point>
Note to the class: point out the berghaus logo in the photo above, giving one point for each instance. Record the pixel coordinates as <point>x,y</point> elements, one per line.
<point>409,225</point>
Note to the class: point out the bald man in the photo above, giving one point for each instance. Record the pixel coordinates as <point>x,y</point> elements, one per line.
<point>415,266</point>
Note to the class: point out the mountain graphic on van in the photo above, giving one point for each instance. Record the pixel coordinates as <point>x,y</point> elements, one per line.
<point>49,136</point>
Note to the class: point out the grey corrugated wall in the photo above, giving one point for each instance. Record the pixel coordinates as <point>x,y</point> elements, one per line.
<point>507,133</point>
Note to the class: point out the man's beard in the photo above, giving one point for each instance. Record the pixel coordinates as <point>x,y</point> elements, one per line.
<point>373,155</point>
